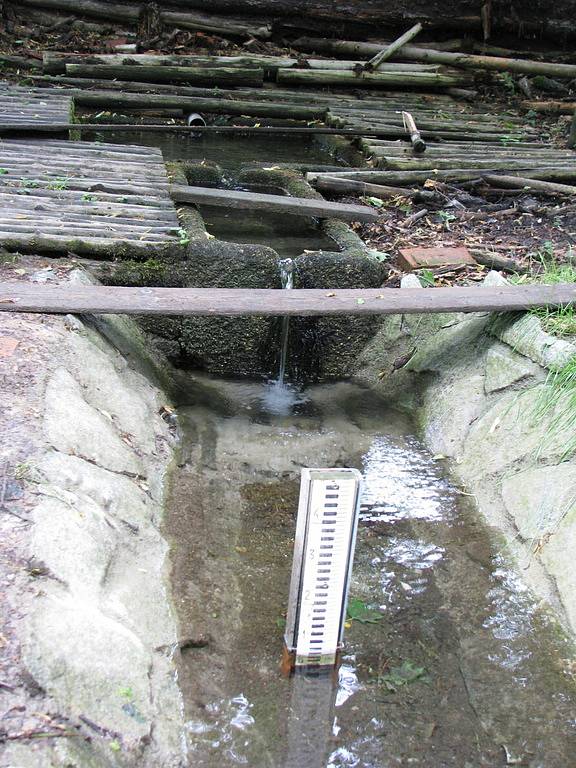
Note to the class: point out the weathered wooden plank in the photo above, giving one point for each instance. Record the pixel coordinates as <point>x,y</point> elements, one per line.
<point>48,191</point>
<point>104,210</point>
<point>99,204</point>
<point>88,245</point>
<point>27,297</point>
<point>19,220</point>
<point>94,184</point>
<point>149,162</point>
<point>255,201</point>
<point>87,146</point>
<point>34,104</point>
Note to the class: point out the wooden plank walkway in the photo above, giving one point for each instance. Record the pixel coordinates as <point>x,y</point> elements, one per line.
<point>89,198</point>
<point>62,299</point>
<point>34,105</point>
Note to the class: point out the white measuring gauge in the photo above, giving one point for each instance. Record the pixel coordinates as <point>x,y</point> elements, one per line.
<point>323,555</point>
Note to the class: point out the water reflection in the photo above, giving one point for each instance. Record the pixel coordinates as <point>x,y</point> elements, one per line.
<point>310,720</point>
<point>225,728</point>
<point>401,482</point>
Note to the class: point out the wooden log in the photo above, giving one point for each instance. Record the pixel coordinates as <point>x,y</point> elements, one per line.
<point>418,143</point>
<point>400,178</point>
<point>111,12</point>
<point>335,184</point>
<point>391,49</point>
<point>96,299</point>
<point>165,74</point>
<point>370,104</point>
<point>495,261</point>
<point>28,128</point>
<point>130,13</point>
<point>553,107</point>
<point>572,135</point>
<point>85,245</point>
<point>254,201</point>
<point>407,178</point>
<point>492,163</point>
<point>55,62</point>
<point>113,101</point>
<point>518,182</point>
<point>461,60</point>
<point>464,146</point>
<point>382,149</point>
<point>220,25</point>
<point>366,79</point>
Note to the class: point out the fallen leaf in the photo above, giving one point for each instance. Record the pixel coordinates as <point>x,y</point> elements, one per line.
<point>330,295</point>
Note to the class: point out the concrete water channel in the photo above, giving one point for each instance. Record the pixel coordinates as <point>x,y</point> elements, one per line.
<point>449,662</point>
<point>449,659</point>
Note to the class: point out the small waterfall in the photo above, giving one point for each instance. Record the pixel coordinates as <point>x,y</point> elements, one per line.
<point>287,281</point>
<point>278,396</point>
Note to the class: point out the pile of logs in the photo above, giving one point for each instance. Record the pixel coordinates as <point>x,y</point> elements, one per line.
<point>251,70</point>
<point>258,18</point>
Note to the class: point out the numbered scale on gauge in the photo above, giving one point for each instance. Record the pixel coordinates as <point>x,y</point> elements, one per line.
<point>323,556</point>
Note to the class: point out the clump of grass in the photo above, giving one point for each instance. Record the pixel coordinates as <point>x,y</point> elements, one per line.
<point>561,321</point>
<point>557,404</point>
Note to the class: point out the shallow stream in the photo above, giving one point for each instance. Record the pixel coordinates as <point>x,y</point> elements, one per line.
<point>456,664</point>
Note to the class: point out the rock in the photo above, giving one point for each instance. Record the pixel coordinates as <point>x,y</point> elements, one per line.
<point>527,336</point>
<point>410,281</point>
<point>510,431</point>
<point>558,557</point>
<point>493,279</point>
<point>539,499</point>
<point>449,406</point>
<point>91,664</point>
<point>75,427</point>
<point>454,340</point>
<point>137,568</point>
<point>120,496</point>
<point>73,540</point>
<point>505,367</point>
<point>119,396</point>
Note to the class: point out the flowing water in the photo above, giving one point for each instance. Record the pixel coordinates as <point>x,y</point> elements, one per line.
<point>448,661</point>
<point>287,282</point>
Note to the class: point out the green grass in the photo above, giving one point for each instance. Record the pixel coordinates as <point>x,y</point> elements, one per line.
<point>557,405</point>
<point>559,321</point>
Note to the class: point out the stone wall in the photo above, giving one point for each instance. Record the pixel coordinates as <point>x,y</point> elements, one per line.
<point>476,383</point>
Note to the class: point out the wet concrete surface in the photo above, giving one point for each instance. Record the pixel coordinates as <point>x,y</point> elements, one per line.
<point>457,665</point>
<point>288,235</point>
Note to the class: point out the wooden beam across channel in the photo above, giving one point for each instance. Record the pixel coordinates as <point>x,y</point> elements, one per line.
<point>96,299</point>
<point>300,206</point>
